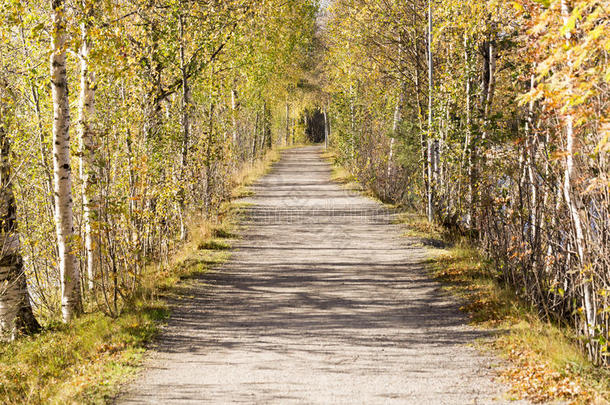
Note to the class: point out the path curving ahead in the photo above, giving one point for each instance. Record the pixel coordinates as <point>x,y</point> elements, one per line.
<point>323,302</point>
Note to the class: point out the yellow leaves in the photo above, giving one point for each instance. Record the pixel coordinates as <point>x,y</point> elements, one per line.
<point>535,94</point>
<point>111,347</point>
<point>534,373</point>
<point>559,155</point>
<point>598,31</point>
<point>517,6</point>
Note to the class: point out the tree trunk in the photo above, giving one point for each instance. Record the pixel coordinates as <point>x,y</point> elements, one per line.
<point>88,149</point>
<point>395,125</point>
<point>234,116</point>
<point>69,272</point>
<point>531,146</point>
<point>287,122</point>
<point>430,157</point>
<point>491,85</point>
<point>588,305</point>
<point>253,149</point>
<point>186,131</point>
<point>16,315</point>
<point>325,129</point>
<point>468,143</point>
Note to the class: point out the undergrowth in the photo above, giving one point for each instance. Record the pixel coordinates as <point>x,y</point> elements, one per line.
<point>543,360</point>
<point>86,361</point>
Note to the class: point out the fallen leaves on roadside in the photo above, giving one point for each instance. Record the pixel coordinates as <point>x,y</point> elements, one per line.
<point>535,380</point>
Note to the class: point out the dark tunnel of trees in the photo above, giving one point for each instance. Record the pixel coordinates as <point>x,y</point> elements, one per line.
<point>314,125</point>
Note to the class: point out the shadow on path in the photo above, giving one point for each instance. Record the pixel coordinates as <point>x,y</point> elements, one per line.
<point>322,302</point>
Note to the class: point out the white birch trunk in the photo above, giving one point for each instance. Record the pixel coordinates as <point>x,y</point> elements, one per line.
<point>532,147</point>
<point>352,112</point>
<point>325,129</point>
<point>234,116</point>
<point>186,131</point>
<point>491,89</point>
<point>567,192</point>
<point>69,272</point>
<point>15,310</point>
<point>390,159</point>
<point>468,144</point>
<point>88,149</point>
<point>287,134</point>
<point>395,124</point>
<point>430,88</point>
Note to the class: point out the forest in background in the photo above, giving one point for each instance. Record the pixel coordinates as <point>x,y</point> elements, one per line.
<point>492,118</point>
<point>122,127</point>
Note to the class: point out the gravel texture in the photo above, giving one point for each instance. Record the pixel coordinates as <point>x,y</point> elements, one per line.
<point>322,302</point>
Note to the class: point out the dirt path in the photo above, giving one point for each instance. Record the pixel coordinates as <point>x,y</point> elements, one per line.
<point>322,303</point>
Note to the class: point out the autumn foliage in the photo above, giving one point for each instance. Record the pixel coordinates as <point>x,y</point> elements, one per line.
<point>507,144</point>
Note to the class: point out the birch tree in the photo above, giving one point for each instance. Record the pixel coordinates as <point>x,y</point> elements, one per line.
<point>16,316</point>
<point>566,14</point>
<point>69,272</point>
<point>88,147</point>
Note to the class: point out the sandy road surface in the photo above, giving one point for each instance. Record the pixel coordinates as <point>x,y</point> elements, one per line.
<point>323,302</point>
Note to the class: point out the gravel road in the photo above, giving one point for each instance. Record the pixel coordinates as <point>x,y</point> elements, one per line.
<point>322,302</point>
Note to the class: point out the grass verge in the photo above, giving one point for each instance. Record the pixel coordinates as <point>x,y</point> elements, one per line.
<point>339,173</point>
<point>543,360</point>
<point>85,362</point>
<point>250,173</point>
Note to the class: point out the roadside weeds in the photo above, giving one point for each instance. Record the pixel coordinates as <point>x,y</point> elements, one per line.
<point>543,362</point>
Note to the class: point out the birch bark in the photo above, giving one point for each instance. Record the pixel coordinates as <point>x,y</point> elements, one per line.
<point>186,130</point>
<point>69,272</point>
<point>88,149</point>
<point>325,128</point>
<point>234,116</point>
<point>15,309</point>
<point>287,134</point>
<point>430,192</point>
<point>588,306</point>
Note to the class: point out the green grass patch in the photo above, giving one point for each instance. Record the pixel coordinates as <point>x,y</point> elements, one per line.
<point>214,244</point>
<point>81,362</point>
<point>223,233</point>
<point>419,227</point>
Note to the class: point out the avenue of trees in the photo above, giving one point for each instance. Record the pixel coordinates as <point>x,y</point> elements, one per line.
<point>493,118</point>
<point>121,124</point>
